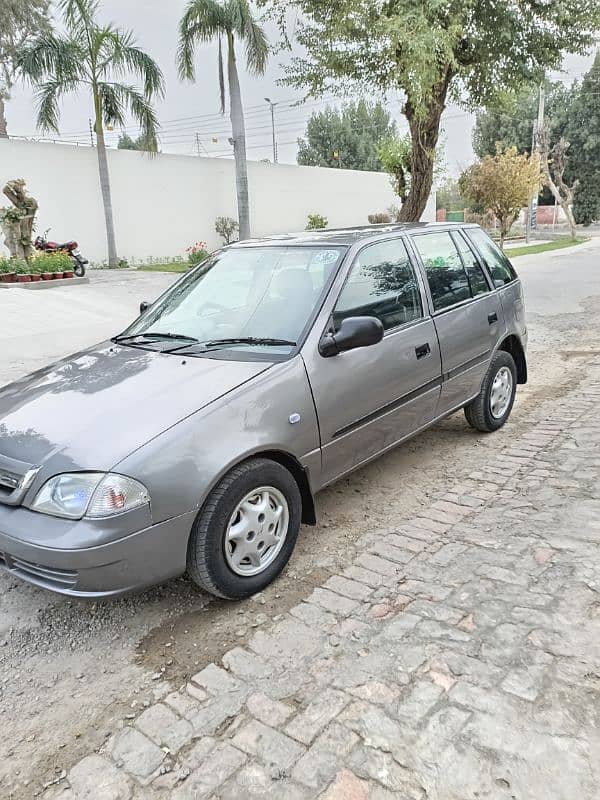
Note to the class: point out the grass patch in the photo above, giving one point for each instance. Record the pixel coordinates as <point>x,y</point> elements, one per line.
<point>531,249</point>
<point>171,266</point>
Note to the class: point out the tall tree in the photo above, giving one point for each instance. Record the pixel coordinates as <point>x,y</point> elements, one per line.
<point>428,50</point>
<point>346,137</point>
<point>126,142</point>
<point>21,20</point>
<point>510,119</point>
<point>97,58</point>
<point>502,183</point>
<point>583,133</point>
<point>228,21</point>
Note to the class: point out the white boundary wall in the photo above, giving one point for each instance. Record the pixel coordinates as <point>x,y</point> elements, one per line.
<point>163,204</point>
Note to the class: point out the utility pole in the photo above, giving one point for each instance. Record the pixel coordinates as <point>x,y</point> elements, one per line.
<point>91,132</point>
<point>197,143</point>
<point>538,127</point>
<point>272,105</point>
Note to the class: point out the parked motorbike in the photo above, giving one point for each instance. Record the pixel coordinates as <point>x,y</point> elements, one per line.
<point>79,262</point>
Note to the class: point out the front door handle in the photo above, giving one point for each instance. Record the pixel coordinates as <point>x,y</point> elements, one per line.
<point>423,350</point>
<point>492,318</point>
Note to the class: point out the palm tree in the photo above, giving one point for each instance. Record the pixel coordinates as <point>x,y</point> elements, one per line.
<point>99,58</point>
<point>203,21</point>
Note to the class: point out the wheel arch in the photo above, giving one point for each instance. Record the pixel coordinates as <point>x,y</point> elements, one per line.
<point>309,514</point>
<point>511,344</point>
<point>293,466</point>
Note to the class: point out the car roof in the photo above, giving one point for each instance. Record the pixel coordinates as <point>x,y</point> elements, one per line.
<point>349,236</point>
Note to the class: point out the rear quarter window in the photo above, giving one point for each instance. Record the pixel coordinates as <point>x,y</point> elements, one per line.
<point>500,268</point>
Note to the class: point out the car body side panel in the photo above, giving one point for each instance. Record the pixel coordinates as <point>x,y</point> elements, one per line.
<point>467,341</point>
<point>513,304</point>
<point>181,466</point>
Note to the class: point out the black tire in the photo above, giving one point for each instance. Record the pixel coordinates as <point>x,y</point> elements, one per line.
<point>206,562</point>
<point>479,411</point>
<point>79,267</point>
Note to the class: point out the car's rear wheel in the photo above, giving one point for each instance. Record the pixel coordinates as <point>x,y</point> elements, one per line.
<point>492,406</point>
<point>246,531</point>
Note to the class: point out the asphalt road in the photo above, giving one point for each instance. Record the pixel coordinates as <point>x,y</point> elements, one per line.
<point>58,657</point>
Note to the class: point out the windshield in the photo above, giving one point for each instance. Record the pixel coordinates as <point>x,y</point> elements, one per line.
<point>263,295</point>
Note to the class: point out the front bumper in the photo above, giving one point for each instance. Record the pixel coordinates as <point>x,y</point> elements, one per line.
<point>133,562</point>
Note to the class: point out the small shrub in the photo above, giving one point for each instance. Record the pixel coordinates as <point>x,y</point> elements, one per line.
<point>51,262</point>
<point>379,218</point>
<point>316,222</point>
<point>13,265</point>
<point>197,253</point>
<point>123,263</point>
<point>226,227</point>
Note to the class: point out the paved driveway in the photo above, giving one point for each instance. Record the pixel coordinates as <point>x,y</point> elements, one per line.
<point>117,659</point>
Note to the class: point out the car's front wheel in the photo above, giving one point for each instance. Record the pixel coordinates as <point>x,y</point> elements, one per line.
<point>245,533</point>
<point>492,406</point>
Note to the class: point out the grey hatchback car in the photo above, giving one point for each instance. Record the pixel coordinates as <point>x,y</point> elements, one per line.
<point>196,439</point>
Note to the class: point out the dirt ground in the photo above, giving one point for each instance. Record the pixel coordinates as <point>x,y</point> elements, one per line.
<point>72,671</point>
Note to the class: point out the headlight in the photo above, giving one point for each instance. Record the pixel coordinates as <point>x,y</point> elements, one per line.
<point>90,494</point>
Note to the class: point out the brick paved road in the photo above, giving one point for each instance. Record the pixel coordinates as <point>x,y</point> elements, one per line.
<point>458,657</point>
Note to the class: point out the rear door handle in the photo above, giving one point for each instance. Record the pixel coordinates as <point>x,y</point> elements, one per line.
<point>423,350</point>
<point>492,318</point>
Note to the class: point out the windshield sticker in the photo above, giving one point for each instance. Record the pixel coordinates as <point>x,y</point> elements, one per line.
<point>326,257</point>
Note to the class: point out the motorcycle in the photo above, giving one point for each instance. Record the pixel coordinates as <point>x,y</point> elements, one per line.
<point>79,262</point>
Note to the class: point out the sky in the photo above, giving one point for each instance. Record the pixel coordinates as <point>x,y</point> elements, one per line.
<point>189,114</point>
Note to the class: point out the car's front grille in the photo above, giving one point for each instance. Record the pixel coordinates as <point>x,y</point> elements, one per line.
<point>50,577</point>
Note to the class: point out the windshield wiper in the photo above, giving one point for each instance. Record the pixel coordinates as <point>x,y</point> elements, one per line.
<point>251,340</point>
<point>156,335</point>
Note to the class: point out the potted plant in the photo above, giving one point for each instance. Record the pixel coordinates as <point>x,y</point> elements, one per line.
<point>23,271</point>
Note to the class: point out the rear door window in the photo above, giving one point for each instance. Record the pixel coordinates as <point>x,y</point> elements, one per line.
<point>501,270</point>
<point>446,274</point>
<point>477,280</point>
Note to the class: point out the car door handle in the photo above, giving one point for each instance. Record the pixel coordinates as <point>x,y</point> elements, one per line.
<point>423,350</point>
<point>492,318</point>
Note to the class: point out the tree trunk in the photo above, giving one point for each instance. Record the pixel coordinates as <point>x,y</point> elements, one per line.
<point>424,124</point>
<point>565,202</point>
<point>113,260</point>
<point>3,130</point>
<point>238,131</point>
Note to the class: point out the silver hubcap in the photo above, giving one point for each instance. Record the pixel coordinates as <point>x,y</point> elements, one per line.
<point>501,393</point>
<point>256,531</point>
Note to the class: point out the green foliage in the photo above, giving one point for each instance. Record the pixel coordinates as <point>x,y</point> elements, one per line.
<point>197,253</point>
<point>502,183</point>
<point>92,56</point>
<point>472,50</point>
<point>448,196</point>
<point>583,133</point>
<point>227,228</point>
<point>206,20</point>
<point>316,222</point>
<point>17,265</point>
<point>586,203</point>
<point>395,154</point>
<point>346,137</point>
<point>141,144</point>
<point>21,21</point>
<point>51,262</point>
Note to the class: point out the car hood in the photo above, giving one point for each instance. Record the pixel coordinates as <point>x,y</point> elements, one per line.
<point>92,409</point>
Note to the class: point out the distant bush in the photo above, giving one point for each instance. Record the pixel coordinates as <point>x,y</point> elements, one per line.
<point>226,227</point>
<point>379,218</point>
<point>316,222</point>
<point>197,253</point>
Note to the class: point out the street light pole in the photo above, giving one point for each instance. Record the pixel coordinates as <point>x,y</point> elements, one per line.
<point>272,106</point>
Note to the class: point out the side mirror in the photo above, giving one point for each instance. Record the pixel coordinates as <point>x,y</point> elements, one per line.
<point>354,332</point>
<point>144,306</point>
